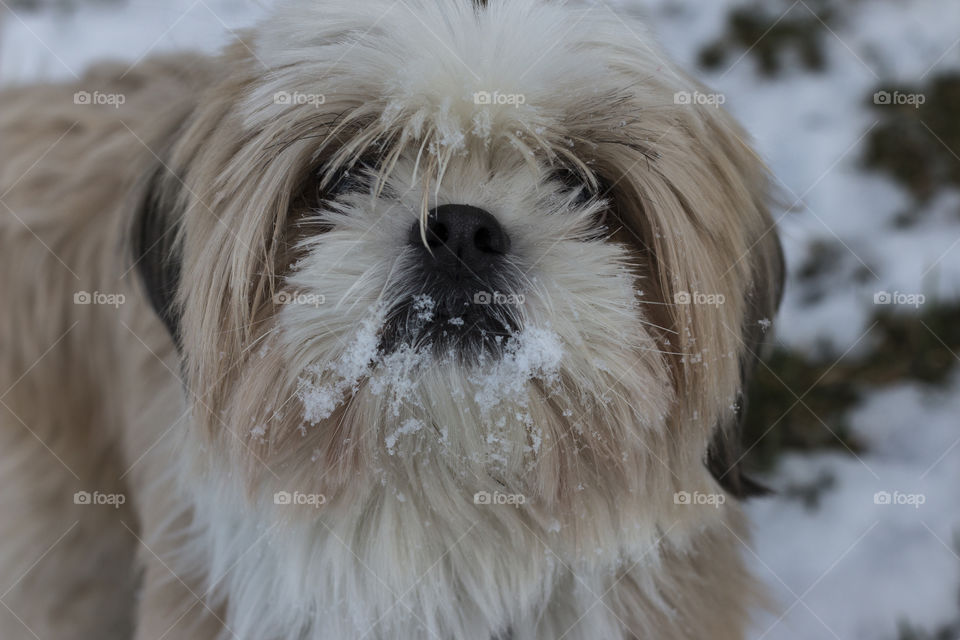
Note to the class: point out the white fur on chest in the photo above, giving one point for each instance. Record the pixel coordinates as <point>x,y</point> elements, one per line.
<point>390,569</point>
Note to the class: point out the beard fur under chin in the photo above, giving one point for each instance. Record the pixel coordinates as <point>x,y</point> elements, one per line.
<point>549,424</point>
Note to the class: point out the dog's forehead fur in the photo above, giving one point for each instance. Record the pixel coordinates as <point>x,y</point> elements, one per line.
<point>552,71</point>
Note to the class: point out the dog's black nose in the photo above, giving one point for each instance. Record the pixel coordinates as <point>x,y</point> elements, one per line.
<point>458,273</point>
<point>461,237</point>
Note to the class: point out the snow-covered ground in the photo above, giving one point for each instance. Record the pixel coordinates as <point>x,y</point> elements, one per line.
<point>846,565</point>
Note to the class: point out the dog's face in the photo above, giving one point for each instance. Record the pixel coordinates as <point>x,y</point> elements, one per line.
<point>478,247</point>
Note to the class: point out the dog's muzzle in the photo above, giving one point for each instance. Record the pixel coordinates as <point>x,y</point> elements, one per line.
<point>460,265</point>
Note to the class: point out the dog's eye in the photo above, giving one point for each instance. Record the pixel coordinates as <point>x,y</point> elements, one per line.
<point>573,182</point>
<point>356,178</point>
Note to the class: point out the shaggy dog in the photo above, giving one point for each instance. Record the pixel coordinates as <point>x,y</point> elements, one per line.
<point>398,319</point>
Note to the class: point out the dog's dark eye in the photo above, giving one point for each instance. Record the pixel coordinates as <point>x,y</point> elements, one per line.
<point>356,178</point>
<point>573,181</point>
<point>346,181</point>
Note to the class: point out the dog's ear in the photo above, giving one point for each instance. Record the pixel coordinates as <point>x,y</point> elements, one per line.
<point>724,456</point>
<point>155,244</point>
<point>697,205</point>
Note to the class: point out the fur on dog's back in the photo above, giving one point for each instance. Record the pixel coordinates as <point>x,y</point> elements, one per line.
<point>68,171</point>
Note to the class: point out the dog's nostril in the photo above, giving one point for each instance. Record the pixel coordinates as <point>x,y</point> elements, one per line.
<point>459,234</point>
<point>483,241</point>
<point>437,235</point>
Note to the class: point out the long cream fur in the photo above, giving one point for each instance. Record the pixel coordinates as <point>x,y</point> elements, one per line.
<point>598,414</point>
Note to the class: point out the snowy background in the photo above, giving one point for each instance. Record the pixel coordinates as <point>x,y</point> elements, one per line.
<point>859,400</point>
